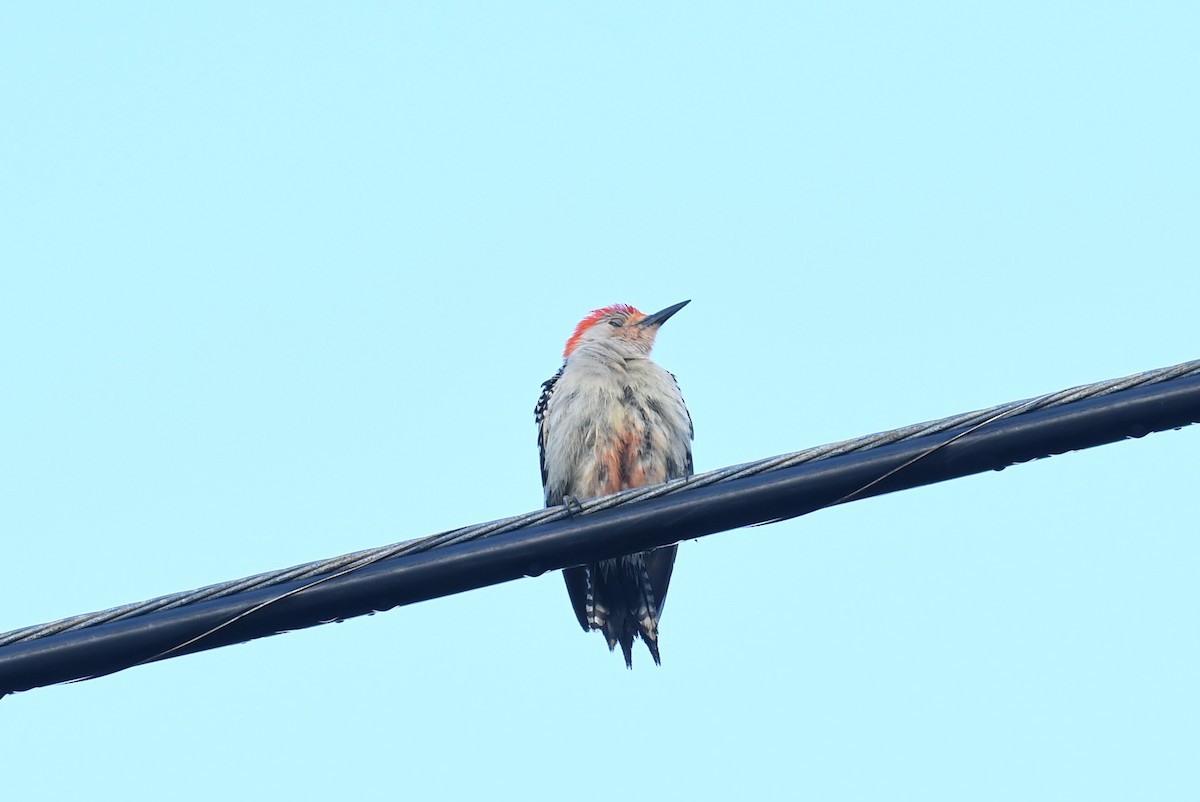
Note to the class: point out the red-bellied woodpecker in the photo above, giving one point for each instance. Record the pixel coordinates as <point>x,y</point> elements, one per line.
<point>609,420</point>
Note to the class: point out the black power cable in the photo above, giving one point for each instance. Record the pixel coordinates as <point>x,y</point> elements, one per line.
<point>474,557</point>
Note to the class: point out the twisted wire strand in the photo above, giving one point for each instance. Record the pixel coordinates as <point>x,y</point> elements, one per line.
<point>347,563</point>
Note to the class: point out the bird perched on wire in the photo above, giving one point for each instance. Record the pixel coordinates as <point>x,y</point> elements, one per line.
<point>609,420</point>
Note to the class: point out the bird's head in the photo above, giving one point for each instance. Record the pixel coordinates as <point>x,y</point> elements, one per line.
<point>620,328</point>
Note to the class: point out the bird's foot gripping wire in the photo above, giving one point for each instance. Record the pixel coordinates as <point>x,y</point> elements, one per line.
<point>573,506</point>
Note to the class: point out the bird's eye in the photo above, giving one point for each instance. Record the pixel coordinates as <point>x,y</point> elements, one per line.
<point>616,322</point>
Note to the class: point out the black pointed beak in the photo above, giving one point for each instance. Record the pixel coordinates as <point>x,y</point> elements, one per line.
<point>660,317</point>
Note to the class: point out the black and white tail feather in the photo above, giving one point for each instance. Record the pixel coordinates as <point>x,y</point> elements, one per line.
<point>623,598</point>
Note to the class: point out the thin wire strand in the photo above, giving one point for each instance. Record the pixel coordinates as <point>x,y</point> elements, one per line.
<point>347,563</point>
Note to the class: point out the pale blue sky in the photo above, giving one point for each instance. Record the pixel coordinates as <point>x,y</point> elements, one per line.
<point>280,281</point>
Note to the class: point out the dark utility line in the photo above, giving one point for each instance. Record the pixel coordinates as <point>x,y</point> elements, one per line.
<point>782,487</point>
